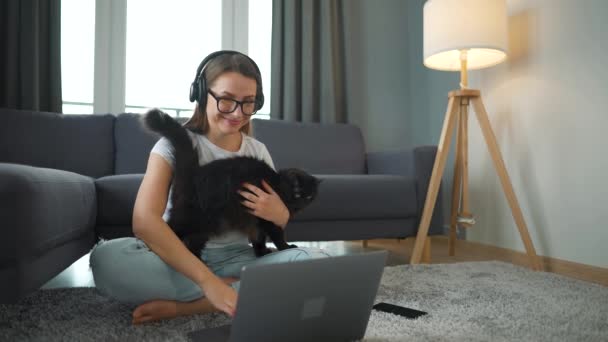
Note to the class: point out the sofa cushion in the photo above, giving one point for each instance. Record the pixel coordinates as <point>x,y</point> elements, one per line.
<point>133,144</point>
<point>116,198</point>
<point>362,197</point>
<point>78,143</point>
<point>316,148</point>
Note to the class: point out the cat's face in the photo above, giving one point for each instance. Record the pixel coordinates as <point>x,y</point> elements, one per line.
<point>299,188</point>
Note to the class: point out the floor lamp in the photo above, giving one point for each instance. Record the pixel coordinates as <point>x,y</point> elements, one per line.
<point>460,35</point>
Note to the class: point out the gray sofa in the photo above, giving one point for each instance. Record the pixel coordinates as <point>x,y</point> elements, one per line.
<point>67,180</point>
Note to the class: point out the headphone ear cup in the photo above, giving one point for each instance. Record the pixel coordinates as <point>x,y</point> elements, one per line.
<point>202,93</point>
<point>193,91</point>
<point>258,91</point>
<point>260,100</point>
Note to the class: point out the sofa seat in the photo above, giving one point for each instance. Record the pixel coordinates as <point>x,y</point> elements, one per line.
<point>340,197</point>
<point>352,197</point>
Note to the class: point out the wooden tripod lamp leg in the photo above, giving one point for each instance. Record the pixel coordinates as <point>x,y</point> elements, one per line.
<point>501,169</point>
<point>465,211</point>
<point>456,189</point>
<point>438,167</point>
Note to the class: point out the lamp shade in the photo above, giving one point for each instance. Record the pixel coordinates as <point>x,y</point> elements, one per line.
<point>478,26</point>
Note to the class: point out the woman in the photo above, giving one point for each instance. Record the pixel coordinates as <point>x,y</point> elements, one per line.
<point>155,270</point>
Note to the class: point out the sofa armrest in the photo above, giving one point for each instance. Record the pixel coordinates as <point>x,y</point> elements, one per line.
<point>42,208</point>
<point>418,163</point>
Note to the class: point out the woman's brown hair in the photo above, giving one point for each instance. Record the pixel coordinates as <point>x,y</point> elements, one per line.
<point>217,66</point>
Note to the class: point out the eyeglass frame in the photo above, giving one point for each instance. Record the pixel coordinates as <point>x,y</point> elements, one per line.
<point>238,103</point>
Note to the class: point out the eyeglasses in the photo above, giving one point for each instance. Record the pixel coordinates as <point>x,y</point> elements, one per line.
<point>227,105</point>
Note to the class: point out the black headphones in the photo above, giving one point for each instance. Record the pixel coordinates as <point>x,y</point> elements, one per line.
<point>198,88</point>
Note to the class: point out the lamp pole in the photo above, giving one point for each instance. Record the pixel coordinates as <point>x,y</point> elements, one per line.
<point>464,79</point>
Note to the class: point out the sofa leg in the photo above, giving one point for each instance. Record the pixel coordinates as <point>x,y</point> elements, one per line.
<point>426,251</point>
<point>364,243</point>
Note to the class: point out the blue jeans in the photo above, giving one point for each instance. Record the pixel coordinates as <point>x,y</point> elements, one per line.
<point>127,270</point>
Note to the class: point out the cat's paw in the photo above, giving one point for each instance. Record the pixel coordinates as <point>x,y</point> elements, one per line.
<point>292,246</point>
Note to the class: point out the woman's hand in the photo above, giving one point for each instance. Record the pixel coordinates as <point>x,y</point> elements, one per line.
<point>222,296</point>
<point>265,204</point>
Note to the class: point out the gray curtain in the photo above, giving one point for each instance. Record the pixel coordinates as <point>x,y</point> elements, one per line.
<point>30,59</point>
<point>308,82</point>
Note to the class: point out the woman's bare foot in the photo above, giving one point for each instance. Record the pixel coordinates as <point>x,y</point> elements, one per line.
<point>156,310</point>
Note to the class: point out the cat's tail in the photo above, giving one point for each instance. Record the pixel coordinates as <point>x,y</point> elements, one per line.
<point>162,123</point>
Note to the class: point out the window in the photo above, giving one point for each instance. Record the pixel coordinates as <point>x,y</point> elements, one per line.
<point>146,51</point>
<point>163,54</point>
<point>77,50</point>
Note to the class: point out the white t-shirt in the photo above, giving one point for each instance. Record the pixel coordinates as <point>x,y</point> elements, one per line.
<point>207,151</point>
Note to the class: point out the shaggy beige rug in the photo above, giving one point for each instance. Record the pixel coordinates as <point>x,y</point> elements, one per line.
<point>475,301</point>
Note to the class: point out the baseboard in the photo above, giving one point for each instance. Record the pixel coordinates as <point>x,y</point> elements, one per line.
<point>572,269</point>
<point>467,250</point>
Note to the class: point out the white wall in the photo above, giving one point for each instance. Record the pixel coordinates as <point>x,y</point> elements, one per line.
<point>392,97</point>
<point>548,105</point>
<point>545,105</point>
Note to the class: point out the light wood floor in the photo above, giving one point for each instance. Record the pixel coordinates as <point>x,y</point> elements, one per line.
<point>400,251</point>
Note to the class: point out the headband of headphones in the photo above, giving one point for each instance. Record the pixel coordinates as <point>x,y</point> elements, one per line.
<point>198,88</point>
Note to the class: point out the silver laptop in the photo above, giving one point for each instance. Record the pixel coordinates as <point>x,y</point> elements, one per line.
<point>327,299</point>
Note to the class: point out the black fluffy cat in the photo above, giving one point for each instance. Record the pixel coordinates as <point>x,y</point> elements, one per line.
<point>205,201</point>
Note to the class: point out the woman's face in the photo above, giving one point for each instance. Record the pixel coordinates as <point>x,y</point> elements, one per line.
<point>234,86</point>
